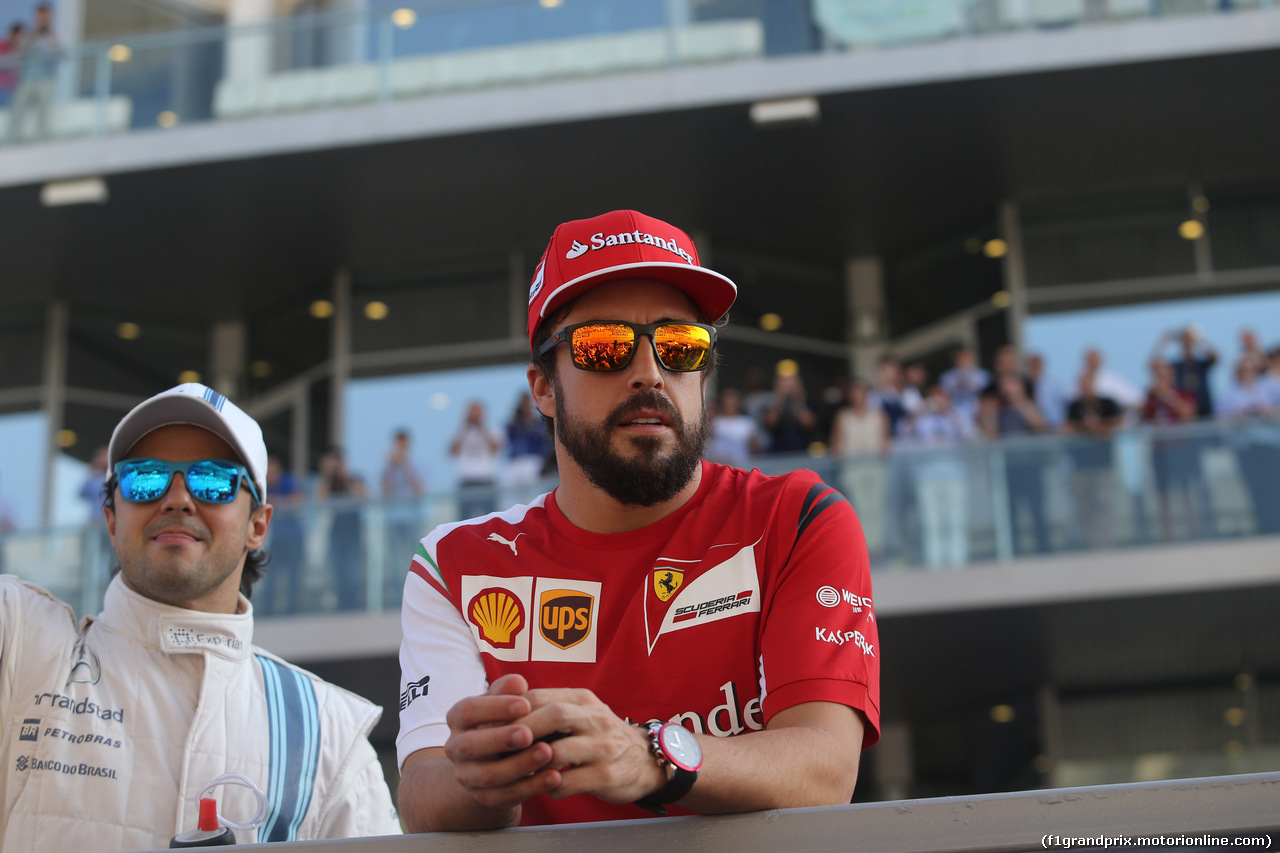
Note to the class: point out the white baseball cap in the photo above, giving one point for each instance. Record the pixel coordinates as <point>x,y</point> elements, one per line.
<point>196,405</point>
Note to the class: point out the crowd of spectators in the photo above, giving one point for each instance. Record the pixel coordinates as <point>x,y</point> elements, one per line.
<point>878,436</point>
<point>866,425</point>
<point>29,57</point>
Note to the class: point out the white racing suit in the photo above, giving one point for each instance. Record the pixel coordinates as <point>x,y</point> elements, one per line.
<point>110,729</point>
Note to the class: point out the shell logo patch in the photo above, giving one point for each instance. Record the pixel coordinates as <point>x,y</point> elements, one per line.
<point>498,615</point>
<point>666,581</point>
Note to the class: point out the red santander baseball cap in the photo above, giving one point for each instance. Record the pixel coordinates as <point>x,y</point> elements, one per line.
<point>586,253</point>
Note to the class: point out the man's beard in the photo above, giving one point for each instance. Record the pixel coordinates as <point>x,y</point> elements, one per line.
<point>647,478</point>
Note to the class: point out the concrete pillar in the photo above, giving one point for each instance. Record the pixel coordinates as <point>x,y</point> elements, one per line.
<point>248,54</point>
<point>228,354</point>
<point>518,286</point>
<point>894,768</point>
<point>866,320</point>
<point>1015,271</point>
<point>68,23</point>
<point>340,353</point>
<point>702,244</point>
<point>1051,741</point>
<point>54,398</point>
<point>300,433</point>
<point>1202,248</point>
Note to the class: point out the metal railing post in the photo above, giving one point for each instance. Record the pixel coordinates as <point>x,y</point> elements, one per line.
<point>386,45</point>
<point>1002,513</point>
<point>375,539</point>
<point>101,90</point>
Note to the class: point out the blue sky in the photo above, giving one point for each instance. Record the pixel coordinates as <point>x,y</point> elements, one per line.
<point>1126,335</point>
<point>431,406</point>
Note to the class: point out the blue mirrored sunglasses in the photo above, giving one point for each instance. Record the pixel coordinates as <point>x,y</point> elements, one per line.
<point>213,481</point>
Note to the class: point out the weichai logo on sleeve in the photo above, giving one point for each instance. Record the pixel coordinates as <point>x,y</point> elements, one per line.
<point>564,616</point>
<point>498,615</point>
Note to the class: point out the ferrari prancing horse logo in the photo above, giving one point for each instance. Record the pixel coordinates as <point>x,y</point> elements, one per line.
<point>666,581</point>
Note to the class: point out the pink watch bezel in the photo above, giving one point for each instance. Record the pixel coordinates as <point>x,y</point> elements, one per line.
<point>662,743</point>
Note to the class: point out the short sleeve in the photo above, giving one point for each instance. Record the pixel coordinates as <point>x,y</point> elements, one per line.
<point>820,640</point>
<point>439,665</point>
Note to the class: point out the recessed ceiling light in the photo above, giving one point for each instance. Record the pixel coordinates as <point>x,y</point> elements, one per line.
<point>1003,714</point>
<point>81,191</point>
<point>785,111</point>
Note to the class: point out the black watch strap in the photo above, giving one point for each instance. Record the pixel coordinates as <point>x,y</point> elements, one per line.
<point>679,782</point>
<point>675,789</point>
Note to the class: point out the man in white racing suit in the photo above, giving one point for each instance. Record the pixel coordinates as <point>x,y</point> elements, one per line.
<point>112,728</point>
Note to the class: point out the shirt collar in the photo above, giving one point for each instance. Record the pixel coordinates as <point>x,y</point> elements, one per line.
<point>175,629</point>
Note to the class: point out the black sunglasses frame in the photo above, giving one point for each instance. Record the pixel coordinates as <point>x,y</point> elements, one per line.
<point>565,336</point>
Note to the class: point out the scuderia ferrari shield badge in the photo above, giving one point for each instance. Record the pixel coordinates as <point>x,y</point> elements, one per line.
<point>666,581</point>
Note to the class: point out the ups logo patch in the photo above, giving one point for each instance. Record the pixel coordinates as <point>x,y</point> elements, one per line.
<point>564,616</point>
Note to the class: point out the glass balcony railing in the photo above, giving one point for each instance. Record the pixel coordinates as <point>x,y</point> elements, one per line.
<point>421,48</point>
<point>943,508</point>
<point>921,509</point>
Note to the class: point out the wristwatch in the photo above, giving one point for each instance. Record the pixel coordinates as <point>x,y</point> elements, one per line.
<point>678,753</point>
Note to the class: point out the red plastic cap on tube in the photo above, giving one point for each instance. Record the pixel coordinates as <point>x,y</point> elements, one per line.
<point>208,814</point>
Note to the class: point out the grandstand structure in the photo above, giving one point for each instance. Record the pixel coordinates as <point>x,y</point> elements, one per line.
<point>282,203</point>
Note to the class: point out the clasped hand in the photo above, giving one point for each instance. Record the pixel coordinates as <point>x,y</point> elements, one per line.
<point>495,747</point>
